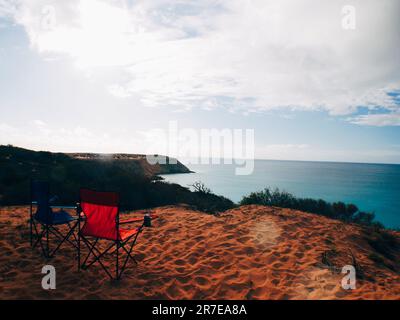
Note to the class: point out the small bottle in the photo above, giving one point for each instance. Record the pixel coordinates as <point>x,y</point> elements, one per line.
<point>147,220</point>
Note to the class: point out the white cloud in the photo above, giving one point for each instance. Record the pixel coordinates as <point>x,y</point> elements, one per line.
<point>378,120</point>
<point>8,8</point>
<point>42,127</point>
<point>118,91</point>
<point>242,55</point>
<point>39,123</point>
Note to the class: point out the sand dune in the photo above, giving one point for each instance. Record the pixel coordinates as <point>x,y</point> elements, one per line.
<point>252,252</point>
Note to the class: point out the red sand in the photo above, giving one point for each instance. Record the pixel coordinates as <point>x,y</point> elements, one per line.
<point>252,252</point>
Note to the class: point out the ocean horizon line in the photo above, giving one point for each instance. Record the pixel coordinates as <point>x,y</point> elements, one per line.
<point>183,159</point>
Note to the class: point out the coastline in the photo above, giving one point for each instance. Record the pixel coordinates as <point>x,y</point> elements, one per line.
<point>373,188</point>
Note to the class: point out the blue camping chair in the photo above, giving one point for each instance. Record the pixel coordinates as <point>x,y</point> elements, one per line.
<point>48,220</point>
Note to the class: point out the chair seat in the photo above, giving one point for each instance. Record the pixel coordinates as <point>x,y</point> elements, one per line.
<point>59,217</point>
<point>125,234</point>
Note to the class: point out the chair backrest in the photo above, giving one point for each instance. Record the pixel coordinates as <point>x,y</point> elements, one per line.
<point>102,213</point>
<point>40,191</point>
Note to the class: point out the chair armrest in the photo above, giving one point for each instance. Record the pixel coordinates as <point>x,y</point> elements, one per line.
<point>63,207</point>
<point>153,216</point>
<point>131,220</point>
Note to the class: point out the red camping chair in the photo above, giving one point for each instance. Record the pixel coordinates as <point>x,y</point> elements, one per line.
<point>100,213</point>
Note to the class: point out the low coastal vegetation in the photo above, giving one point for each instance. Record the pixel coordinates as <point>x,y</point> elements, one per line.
<point>335,210</point>
<point>138,186</point>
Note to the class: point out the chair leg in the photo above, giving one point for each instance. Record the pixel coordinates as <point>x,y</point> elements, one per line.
<point>128,256</point>
<point>117,262</point>
<point>45,233</point>
<point>59,235</point>
<point>90,247</point>
<point>47,242</point>
<point>69,226</point>
<point>92,250</point>
<point>39,238</point>
<point>70,232</point>
<point>128,253</point>
<point>79,244</point>
<point>30,226</point>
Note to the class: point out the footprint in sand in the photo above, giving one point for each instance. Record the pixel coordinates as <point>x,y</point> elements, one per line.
<point>201,280</point>
<point>299,255</point>
<point>244,239</point>
<point>277,265</point>
<point>183,279</point>
<point>23,263</point>
<point>179,262</point>
<point>21,250</point>
<point>264,233</point>
<point>193,259</point>
<point>329,287</point>
<point>10,276</point>
<point>180,269</point>
<point>249,251</point>
<point>217,264</point>
<point>140,256</point>
<point>286,251</point>
<point>284,259</point>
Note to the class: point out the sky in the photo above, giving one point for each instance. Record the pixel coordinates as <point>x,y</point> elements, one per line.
<point>102,76</point>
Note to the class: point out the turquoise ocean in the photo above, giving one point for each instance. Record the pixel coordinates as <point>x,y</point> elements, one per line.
<point>372,187</point>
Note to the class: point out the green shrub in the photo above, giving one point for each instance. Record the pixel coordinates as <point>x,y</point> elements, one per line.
<point>383,242</point>
<point>336,210</point>
<point>376,258</point>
